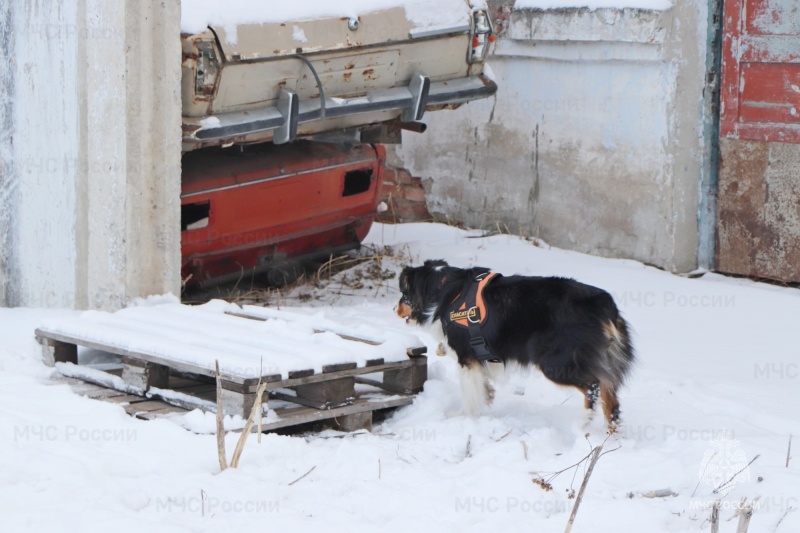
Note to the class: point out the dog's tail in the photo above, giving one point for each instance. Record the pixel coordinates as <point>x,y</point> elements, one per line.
<point>619,355</point>
<point>616,362</point>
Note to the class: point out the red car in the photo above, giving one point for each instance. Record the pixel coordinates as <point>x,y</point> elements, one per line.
<point>256,209</point>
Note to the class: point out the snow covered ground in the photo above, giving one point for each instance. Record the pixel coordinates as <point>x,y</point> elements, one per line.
<point>715,388</point>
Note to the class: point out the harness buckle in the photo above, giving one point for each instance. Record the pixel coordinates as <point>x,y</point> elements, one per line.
<point>474,314</point>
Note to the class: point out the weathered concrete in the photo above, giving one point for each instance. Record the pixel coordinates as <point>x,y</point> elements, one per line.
<point>594,141</point>
<point>91,152</point>
<point>759,210</point>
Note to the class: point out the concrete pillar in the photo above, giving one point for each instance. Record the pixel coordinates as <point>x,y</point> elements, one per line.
<point>90,183</point>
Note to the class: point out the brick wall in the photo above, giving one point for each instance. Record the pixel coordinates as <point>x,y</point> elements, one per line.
<point>405,197</point>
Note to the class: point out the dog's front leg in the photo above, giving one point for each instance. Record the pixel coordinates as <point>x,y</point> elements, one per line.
<point>476,390</point>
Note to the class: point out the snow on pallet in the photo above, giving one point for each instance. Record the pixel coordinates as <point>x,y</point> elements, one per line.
<point>310,363</point>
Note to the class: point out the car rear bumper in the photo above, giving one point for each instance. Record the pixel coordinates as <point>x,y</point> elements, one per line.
<point>281,123</point>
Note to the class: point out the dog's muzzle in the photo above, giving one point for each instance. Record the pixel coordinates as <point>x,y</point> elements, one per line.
<point>404,309</point>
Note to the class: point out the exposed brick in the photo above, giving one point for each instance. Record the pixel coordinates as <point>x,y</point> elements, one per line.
<point>404,176</point>
<point>415,194</point>
<point>405,197</point>
<point>389,177</point>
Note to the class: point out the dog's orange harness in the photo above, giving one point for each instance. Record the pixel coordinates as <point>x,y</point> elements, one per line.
<point>472,313</point>
<point>477,312</point>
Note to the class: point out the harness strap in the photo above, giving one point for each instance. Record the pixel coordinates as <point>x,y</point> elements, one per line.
<point>472,314</point>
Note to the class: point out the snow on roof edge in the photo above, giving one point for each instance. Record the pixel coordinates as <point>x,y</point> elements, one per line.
<point>656,5</point>
<point>196,15</point>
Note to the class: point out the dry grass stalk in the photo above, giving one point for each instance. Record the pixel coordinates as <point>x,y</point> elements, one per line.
<point>789,452</point>
<point>733,477</point>
<point>258,410</point>
<point>548,477</point>
<point>304,475</point>
<point>223,462</point>
<point>338,263</point>
<point>595,456</point>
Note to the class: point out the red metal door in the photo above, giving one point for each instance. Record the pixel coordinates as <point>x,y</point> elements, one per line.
<point>758,194</point>
<point>761,70</point>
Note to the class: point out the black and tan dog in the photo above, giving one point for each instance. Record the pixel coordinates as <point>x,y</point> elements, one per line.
<point>571,331</point>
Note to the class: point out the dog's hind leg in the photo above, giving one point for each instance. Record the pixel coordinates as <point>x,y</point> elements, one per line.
<point>610,406</point>
<point>591,394</point>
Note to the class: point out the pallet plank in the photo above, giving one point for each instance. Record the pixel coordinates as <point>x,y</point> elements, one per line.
<point>344,373</point>
<point>124,399</point>
<point>329,393</point>
<point>354,422</point>
<point>337,368</point>
<point>295,374</point>
<point>143,375</point>
<point>408,380</point>
<point>294,416</point>
<point>411,352</point>
<point>184,367</point>
<point>56,351</point>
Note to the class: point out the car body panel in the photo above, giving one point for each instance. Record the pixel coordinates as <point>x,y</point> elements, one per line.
<point>247,212</point>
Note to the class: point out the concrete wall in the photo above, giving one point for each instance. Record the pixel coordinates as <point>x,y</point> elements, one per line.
<point>90,146</point>
<point>594,141</point>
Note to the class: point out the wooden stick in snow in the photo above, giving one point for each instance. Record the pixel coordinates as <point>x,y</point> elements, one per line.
<point>257,410</point>
<point>715,517</point>
<point>223,462</point>
<point>260,415</point>
<point>578,499</point>
<point>744,518</point>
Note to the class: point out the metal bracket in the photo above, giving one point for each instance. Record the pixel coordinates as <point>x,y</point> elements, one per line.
<point>289,107</point>
<point>419,87</point>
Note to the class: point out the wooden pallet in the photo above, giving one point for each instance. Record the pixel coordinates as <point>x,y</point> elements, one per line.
<point>357,415</point>
<point>151,385</point>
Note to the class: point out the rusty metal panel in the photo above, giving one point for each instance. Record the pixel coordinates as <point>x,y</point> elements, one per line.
<point>773,17</point>
<point>245,212</point>
<point>759,209</point>
<point>770,93</point>
<point>761,70</point>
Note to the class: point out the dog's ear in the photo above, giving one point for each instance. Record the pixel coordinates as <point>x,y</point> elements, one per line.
<point>436,263</point>
<point>477,271</point>
<point>403,279</point>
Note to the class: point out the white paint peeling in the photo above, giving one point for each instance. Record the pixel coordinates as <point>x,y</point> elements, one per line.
<point>298,34</point>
